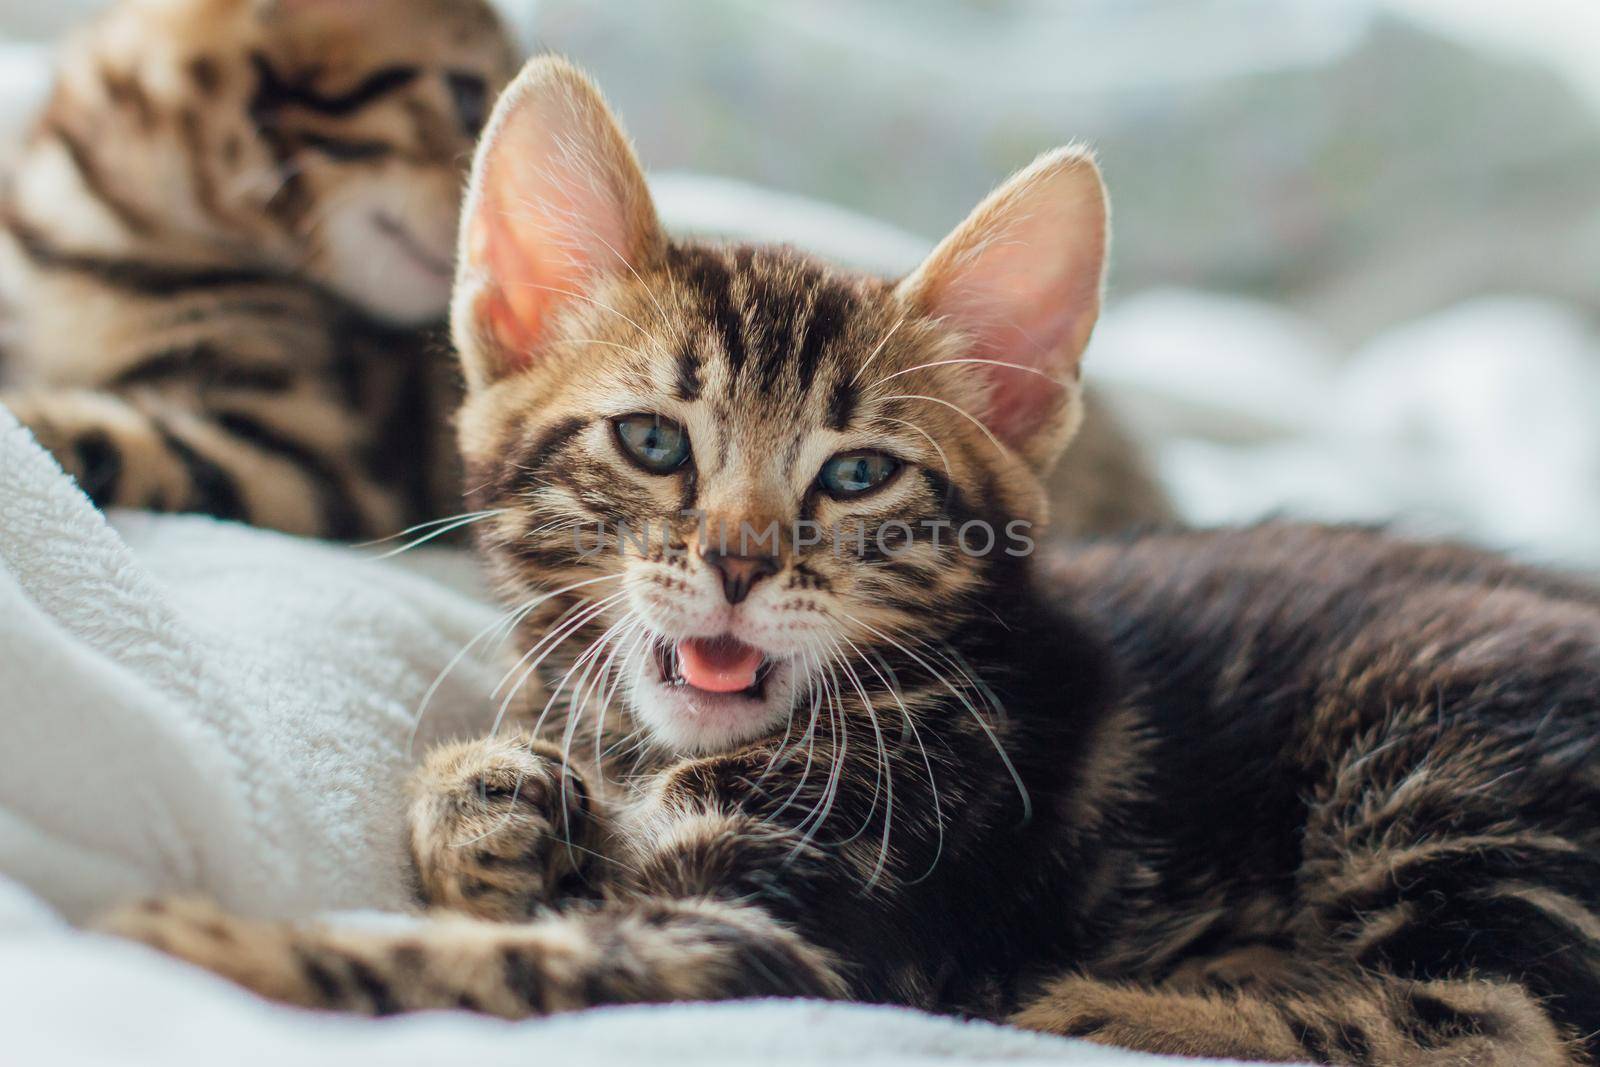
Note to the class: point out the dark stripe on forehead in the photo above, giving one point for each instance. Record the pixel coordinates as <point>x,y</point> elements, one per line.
<point>688,383</point>
<point>250,307</point>
<point>773,309</point>
<point>829,312</point>
<point>842,400</point>
<point>207,74</point>
<point>703,272</point>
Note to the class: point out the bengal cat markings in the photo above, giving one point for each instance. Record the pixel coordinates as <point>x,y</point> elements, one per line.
<point>208,366</point>
<point>95,182</point>
<point>213,490</point>
<point>137,277</point>
<point>340,518</point>
<point>100,464</point>
<point>273,93</point>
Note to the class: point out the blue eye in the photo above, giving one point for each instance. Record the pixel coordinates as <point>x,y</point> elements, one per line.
<point>657,444</point>
<point>854,473</point>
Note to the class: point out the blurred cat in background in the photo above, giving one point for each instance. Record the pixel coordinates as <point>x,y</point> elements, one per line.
<point>223,246</point>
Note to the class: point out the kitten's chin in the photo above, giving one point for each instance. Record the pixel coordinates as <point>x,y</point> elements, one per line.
<point>696,721</point>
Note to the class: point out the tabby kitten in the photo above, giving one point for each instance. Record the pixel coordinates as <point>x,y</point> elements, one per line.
<point>219,246</point>
<point>1280,793</point>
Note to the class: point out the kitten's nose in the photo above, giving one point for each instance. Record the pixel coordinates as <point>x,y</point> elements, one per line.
<point>739,573</point>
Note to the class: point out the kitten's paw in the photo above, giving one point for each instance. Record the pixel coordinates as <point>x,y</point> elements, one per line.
<point>1157,1021</point>
<point>499,827</point>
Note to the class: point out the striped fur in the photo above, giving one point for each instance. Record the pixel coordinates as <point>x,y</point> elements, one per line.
<point>1281,793</point>
<point>222,247</point>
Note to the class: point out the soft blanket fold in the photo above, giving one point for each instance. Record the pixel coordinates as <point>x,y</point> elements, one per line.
<point>188,705</point>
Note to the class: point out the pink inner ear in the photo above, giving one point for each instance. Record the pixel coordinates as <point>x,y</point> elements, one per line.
<point>1029,306</point>
<point>541,254</point>
<point>556,196</point>
<point>512,307</point>
<point>1020,280</point>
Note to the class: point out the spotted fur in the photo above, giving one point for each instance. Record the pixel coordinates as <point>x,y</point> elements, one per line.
<point>222,245</point>
<point>1281,793</point>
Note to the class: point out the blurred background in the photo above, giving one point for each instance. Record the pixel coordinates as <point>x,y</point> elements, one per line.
<point>1357,242</point>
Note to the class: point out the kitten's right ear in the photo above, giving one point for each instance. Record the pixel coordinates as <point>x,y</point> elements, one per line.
<point>557,203</point>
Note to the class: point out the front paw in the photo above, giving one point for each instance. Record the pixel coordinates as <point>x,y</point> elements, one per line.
<point>500,827</point>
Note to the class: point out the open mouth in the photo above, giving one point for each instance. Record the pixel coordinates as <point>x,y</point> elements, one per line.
<point>424,257</point>
<point>719,666</point>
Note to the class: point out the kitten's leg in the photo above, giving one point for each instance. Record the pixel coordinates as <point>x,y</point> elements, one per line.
<point>295,469</point>
<point>618,953</point>
<point>1345,1019</point>
<point>501,826</point>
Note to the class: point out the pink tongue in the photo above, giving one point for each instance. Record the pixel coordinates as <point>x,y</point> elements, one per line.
<point>718,664</point>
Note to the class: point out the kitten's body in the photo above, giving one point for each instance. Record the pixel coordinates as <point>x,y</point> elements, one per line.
<point>1282,793</point>
<point>223,244</point>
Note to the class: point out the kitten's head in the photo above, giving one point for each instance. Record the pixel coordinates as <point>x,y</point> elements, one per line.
<point>325,138</point>
<point>619,379</point>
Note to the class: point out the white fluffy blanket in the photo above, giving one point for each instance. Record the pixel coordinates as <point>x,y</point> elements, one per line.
<point>187,705</point>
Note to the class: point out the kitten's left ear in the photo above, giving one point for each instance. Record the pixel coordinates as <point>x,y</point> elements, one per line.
<point>1020,280</point>
<point>557,206</point>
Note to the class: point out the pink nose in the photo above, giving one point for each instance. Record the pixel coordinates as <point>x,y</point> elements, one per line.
<point>739,573</point>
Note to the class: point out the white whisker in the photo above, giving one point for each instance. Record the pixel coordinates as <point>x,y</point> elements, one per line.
<point>977,716</point>
<point>884,340</point>
<point>973,359</point>
<point>449,527</point>
<point>958,409</point>
<point>429,525</point>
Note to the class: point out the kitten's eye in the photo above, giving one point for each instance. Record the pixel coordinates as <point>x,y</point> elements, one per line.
<point>471,96</point>
<point>854,473</point>
<point>657,444</point>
